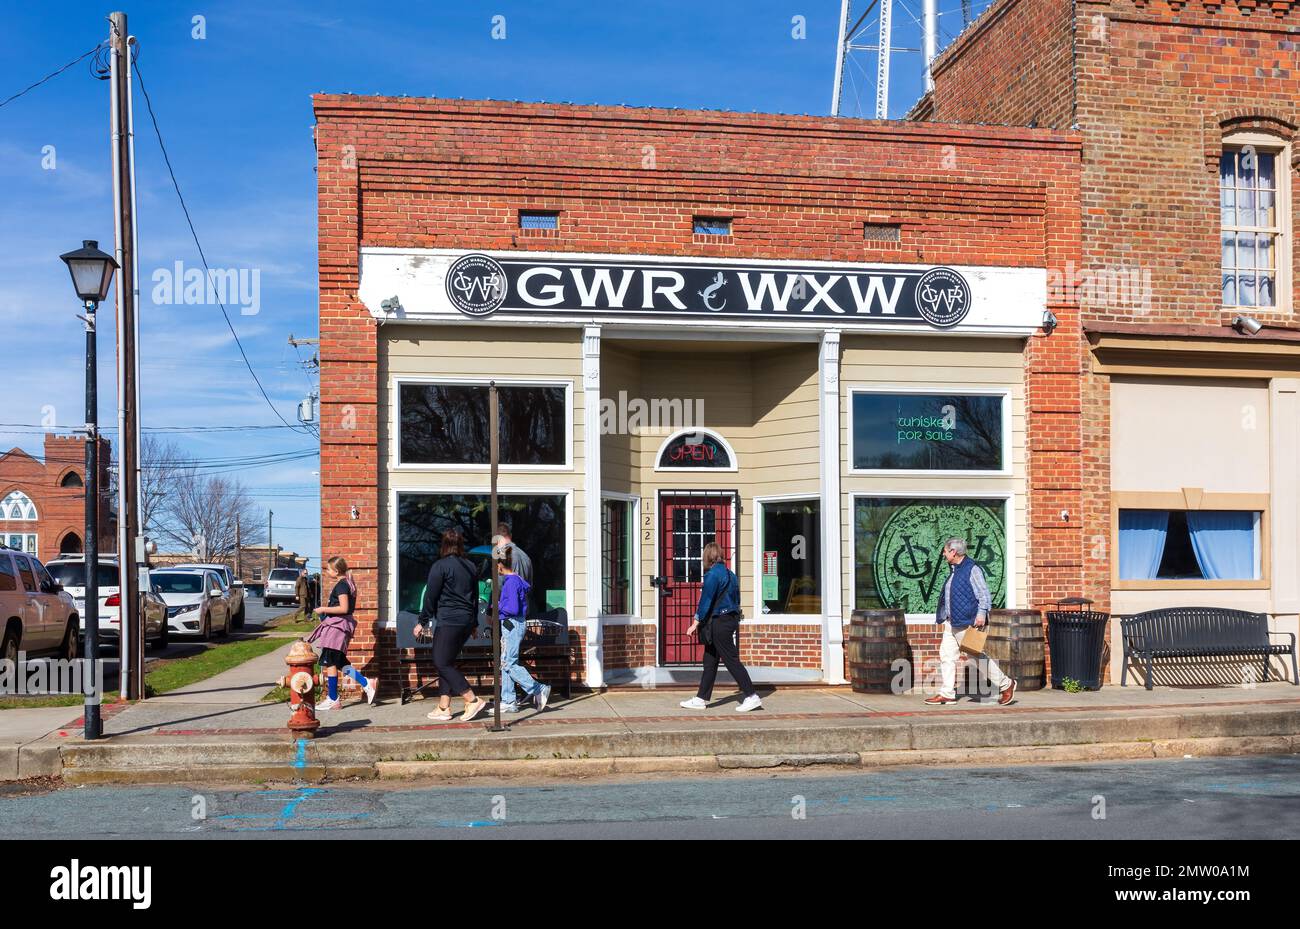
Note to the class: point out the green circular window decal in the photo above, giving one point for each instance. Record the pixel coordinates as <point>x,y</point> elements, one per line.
<point>907,562</point>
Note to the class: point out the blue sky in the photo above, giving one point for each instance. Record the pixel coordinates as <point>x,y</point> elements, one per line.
<point>235,112</point>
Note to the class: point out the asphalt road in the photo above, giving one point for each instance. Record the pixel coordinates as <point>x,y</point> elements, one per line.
<point>1220,798</point>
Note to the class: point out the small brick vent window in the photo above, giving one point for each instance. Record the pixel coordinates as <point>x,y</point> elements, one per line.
<point>712,225</point>
<point>881,232</point>
<point>539,221</point>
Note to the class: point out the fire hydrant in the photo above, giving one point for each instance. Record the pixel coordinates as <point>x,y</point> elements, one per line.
<point>301,681</point>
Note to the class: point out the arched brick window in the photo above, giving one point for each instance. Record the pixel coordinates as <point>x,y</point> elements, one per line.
<point>1255,219</point>
<point>71,479</point>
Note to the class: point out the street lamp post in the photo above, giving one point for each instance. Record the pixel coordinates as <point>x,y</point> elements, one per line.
<point>92,275</point>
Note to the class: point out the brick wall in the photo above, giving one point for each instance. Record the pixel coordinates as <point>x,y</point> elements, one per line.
<point>403,172</point>
<point>61,510</point>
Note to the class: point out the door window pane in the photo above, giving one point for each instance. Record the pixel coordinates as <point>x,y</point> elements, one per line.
<point>448,424</point>
<point>790,557</point>
<point>617,556</point>
<point>898,542</point>
<point>927,432</point>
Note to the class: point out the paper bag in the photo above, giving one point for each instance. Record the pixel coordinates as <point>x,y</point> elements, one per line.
<point>972,642</point>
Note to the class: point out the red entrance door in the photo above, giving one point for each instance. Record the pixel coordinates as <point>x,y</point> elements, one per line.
<point>687,522</point>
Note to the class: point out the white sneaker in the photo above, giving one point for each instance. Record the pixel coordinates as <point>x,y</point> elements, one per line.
<point>695,703</point>
<point>326,705</point>
<point>752,702</point>
<point>543,696</point>
<point>371,690</point>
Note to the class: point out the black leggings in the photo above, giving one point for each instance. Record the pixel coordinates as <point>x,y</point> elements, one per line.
<point>447,643</point>
<point>725,646</point>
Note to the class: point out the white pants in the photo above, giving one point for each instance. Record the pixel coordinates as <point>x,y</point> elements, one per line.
<point>950,651</point>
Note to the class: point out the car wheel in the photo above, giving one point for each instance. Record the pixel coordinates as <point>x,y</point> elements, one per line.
<point>205,627</point>
<point>71,638</point>
<point>239,617</point>
<point>225,627</point>
<point>164,637</point>
<point>9,645</point>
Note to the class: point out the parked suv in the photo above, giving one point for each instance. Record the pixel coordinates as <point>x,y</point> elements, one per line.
<point>70,572</point>
<point>281,587</point>
<point>37,615</point>
<point>234,587</point>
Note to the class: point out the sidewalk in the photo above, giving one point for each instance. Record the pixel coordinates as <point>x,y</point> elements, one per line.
<point>208,734</point>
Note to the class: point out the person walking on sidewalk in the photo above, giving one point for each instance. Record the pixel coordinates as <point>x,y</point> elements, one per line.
<point>302,590</point>
<point>451,599</point>
<point>514,618</point>
<point>717,619</point>
<point>334,634</point>
<point>964,602</point>
<point>520,563</point>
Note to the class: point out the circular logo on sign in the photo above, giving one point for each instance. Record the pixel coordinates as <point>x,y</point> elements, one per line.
<point>908,561</point>
<point>942,297</point>
<point>476,285</point>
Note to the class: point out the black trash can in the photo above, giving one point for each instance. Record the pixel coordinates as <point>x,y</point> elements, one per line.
<point>1076,639</point>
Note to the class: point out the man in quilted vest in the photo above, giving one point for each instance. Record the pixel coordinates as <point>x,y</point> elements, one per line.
<point>964,603</point>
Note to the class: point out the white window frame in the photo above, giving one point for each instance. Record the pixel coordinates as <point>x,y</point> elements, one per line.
<point>395,424</point>
<point>783,619</point>
<point>634,602</point>
<point>30,503</point>
<point>903,389</point>
<point>1007,496</point>
<point>460,490</point>
<point>698,430</point>
<point>1282,248</point>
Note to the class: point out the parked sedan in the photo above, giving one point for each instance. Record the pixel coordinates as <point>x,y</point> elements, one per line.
<point>197,603</point>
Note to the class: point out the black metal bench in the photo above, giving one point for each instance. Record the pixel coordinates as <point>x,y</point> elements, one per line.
<point>546,638</point>
<point>1201,632</point>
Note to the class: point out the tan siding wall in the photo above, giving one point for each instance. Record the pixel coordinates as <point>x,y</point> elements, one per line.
<point>504,353</point>
<point>930,362</point>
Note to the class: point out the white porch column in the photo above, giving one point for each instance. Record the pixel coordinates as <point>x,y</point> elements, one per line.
<point>1284,436</point>
<point>591,496</point>
<point>828,415</point>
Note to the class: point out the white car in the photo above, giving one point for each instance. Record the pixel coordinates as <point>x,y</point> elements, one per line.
<point>234,587</point>
<point>197,602</point>
<point>281,587</point>
<point>70,572</point>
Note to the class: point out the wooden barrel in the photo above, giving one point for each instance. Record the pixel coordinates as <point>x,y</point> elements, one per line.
<point>877,638</point>
<point>1017,643</point>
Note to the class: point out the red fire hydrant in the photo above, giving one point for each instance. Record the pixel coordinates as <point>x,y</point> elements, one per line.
<point>301,681</point>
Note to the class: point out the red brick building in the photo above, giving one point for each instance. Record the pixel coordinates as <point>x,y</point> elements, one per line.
<point>1188,116</point>
<point>820,342</point>
<point>42,503</point>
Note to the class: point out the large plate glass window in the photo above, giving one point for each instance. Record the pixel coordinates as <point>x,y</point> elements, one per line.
<point>928,431</point>
<point>1198,545</point>
<point>447,424</point>
<point>897,548</point>
<point>537,525</point>
<point>617,534</point>
<point>790,556</point>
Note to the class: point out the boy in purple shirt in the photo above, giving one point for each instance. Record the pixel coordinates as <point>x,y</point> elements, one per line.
<point>514,616</point>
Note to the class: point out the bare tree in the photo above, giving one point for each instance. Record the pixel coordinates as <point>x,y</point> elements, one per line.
<point>200,514</point>
<point>162,464</point>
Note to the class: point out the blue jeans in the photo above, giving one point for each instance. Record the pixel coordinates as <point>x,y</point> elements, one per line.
<point>511,671</point>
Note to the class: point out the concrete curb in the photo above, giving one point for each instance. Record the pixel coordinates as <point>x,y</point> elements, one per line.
<point>1004,739</point>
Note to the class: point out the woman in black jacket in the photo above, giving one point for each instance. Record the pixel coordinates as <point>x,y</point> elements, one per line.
<point>451,596</point>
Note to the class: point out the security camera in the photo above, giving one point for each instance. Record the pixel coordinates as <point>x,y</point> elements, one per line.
<point>1247,325</point>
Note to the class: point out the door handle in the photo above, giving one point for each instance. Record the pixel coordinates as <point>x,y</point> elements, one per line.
<point>662,583</point>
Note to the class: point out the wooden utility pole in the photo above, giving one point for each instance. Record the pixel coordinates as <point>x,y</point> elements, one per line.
<point>239,553</point>
<point>129,539</point>
<point>270,556</point>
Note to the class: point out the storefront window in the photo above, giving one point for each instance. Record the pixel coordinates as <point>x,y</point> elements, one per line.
<point>1189,545</point>
<point>617,533</point>
<point>447,424</point>
<point>927,432</point>
<point>898,561</point>
<point>537,525</point>
<point>790,556</point>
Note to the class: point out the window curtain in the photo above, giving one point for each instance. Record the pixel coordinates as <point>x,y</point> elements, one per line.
<point>1141,543</point>
<point>1224,543</point>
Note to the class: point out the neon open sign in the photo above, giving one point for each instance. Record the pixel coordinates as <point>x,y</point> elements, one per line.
<point>695,450</point>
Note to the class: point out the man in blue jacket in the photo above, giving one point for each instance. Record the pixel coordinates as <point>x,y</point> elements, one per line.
<point>964,603</point>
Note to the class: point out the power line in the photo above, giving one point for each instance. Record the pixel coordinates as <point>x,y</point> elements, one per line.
<point>198,245</point>
<point>51,75</point>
